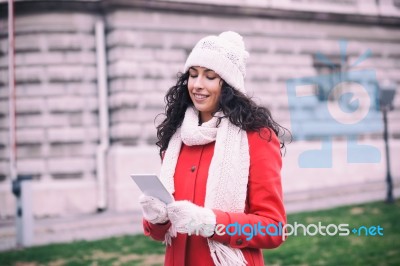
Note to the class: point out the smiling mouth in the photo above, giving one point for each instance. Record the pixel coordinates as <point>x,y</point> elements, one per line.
<point>200,96</point>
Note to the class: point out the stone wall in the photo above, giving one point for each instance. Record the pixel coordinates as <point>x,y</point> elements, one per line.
<point>57,97</point>
<point>57,124</point>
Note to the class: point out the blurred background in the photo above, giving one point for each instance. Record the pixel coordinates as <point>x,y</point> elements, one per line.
<point>90,79</point>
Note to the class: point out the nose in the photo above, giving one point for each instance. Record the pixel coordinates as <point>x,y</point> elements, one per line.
<point>198,83</point>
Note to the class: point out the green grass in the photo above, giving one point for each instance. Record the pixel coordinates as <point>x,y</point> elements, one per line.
<point>297,250</point>
<point>343,250</point>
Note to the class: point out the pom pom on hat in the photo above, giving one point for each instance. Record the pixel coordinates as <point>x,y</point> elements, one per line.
<point>234,38</point>
<point>225,54</point>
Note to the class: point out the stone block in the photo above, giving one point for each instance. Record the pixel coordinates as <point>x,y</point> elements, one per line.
<point>30,74</point>
<point>51,199</point>
<point>163,85</point>
<point>154,70</point>
<point>280,59</point>
<point>41,58</point>
<point>30,151</point>
<point>4,137</point>
<point>124,115</point>
<point>122,162</point>
<point>149,132</point>
<point>393,74</point>
<point>64,197</point>
<point>144,85</point>
<point>123,37</point>
<point>39,89</point>
<point>152,39</point>
<point>124,84</point>
<point>376,62</point>
<point>70,165</point>
<point>81,88</point>
<point>341,173</point>
<point>4,106</point>
<point>3,77</point>
<point>29,105</point>
<point>84,57</point>
<point>183,40</point>
<point>4,153</point>
<point>28,42</point>
<point>70,134</point>
<point>124,99</point>
<point>124,69</point>
<point>171,70</point>
<point>3,46</point>
<point>30,135</point>
<point>4,167</point>
<point>78,149</point>
<point>30,120</point>
<point>154,100</point>
<point>130,115</point>
<point>31,166</point>
<point>7,200</point>
<point>171,55</point>
<point>60,21</point>
<point>72,104</point>
<point>66,104</point>
<point>71,73</point>
<point>58,119</point>
<point>125,131</point>
<point>130,54</point>
<point>4,123</point>
<point>68,42</point>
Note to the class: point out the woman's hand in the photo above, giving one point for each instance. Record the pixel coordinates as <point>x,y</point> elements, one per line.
<point>153,209</point>
<point>188,218</point>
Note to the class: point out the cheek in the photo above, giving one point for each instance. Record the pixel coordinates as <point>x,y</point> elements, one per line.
<point>217,90</point>
<point>190,83</point>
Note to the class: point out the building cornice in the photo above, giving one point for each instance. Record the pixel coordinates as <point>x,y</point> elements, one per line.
<point>105,6</point>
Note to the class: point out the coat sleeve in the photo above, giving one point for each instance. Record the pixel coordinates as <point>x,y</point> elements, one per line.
<point>264,203</point>
<point>155,231</point>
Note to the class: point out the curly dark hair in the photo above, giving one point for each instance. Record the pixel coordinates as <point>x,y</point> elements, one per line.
<point>241,111</point>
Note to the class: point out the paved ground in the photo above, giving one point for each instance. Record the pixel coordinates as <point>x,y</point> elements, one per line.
<point>107,224</point>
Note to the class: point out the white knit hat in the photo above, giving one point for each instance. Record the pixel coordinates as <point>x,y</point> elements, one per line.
<point>225,54</point>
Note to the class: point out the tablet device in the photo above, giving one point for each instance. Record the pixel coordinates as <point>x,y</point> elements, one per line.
<point>151,185</point>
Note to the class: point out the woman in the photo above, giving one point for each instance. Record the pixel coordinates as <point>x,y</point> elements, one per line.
<point>221,162</point>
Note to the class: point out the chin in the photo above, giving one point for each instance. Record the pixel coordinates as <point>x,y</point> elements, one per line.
<point>201,109</point>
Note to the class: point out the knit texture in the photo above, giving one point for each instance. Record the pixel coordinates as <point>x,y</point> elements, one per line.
<point>227,176</point>
<point>225,54</point>
<point>153,209</point>
<point>189,218</point>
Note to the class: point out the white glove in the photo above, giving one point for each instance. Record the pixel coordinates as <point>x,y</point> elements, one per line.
<point>188,218</point>
<point>153,209</point>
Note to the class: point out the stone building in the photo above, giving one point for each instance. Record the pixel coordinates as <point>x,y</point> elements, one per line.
<point>91,77</point>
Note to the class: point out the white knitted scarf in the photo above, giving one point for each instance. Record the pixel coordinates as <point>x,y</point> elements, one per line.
<point>227,180</point>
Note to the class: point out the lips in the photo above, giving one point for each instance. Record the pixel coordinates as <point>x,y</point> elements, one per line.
<point>198,96</point>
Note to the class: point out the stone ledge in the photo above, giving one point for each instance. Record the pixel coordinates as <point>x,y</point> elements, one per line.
<point>378,15</point>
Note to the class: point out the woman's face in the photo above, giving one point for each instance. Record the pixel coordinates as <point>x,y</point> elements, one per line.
<point>204,87</point>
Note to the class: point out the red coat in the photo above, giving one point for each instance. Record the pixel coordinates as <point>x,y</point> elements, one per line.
<point>263,204</point>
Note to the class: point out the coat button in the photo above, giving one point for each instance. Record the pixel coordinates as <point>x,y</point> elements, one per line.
<point>239,241</point>
<point>193,168</point>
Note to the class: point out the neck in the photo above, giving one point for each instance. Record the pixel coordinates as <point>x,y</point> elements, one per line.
<point>204,117</point>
